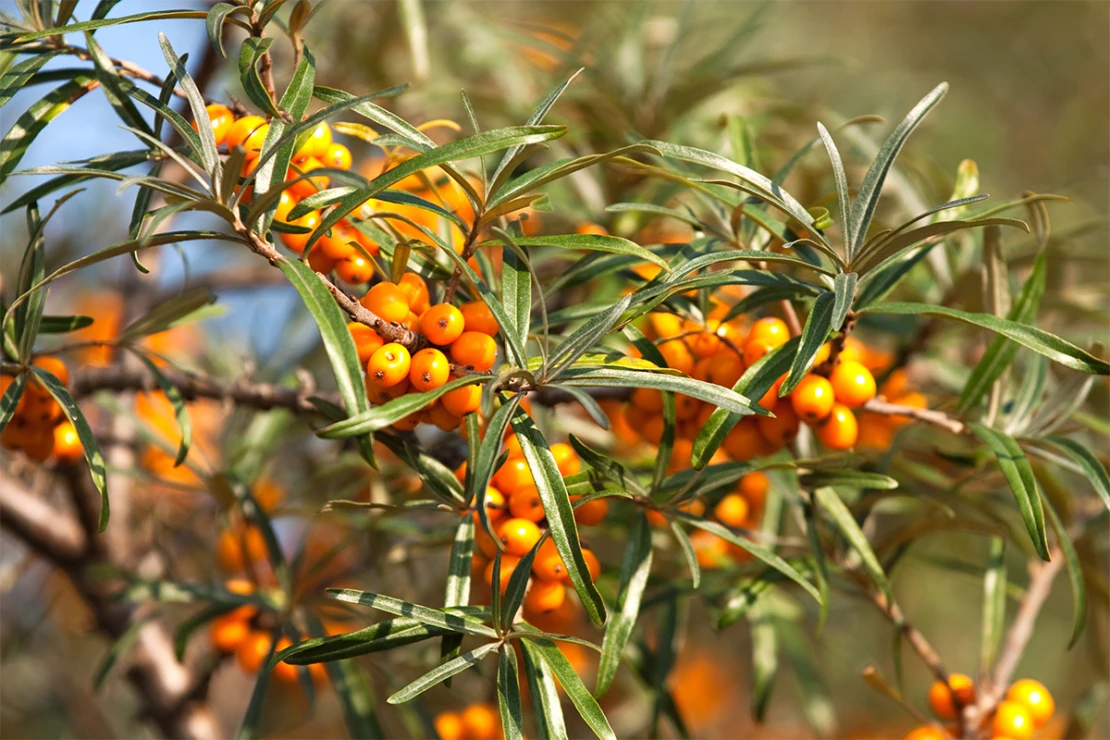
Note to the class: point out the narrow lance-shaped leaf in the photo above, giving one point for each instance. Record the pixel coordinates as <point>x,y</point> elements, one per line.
<point>508,694</point>
<point>1082,456</point>
<point>537,117</point>
<point>576,691</point>
<point>814,334</point>
<point>432,617</point>
<point>591,242</point>
<point>842,517</point>
<point>635,568</point>
<point>10,400</point>
<point>765,662</point>
<point>31,123</point>
<point>442,672</point>
<point>560,516</point>
<point>1019,474</point>
<point>109,82</point>
<point>13,79</point>
<point>207,151</point>
<point>844,288</point>
<point>841,192</point>
<point>585,337</point>
<point>516,291</point>
<point>1075,573</point>
<point>994,604</point>
<point>160,15</point>
<point>688,552</point>
<point>546,703</point>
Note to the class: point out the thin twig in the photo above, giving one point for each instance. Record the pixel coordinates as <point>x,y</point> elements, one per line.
<point>938,418</point>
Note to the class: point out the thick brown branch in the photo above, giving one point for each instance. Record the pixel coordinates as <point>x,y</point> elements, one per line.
<point>938,418</point>
<point>50,532</point>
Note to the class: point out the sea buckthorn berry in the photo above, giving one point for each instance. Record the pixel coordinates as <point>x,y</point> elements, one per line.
<point>548,564</point>
<point>485,542</point>
<point>339,242</point>
<point>686,407</point>
<point>481,722</point>
<point>284,672</point>
<point>1012,720</point>
<point>773,331</point>
<point>754,349</point>
<point>337,157</point>
<point>783,428</point>
<point>222,119</point>
<point>284,205</point>
<point>462,401</point>
<point>647,399</point>
<point>41,410</point>
<point>591,513</point>
<point>442,324</point>
<point>654,428</point>
<point>513,475</point>
<point>710,550</point>
<point>496,506</point>
<point>1035,698</point>
<point>725,369</point>
<point>508,565</point>
<point>771,397</point>
<point>17,433</point>
<point>379,395</point>
<point>853,384</point>
<point>443,418</point>
<point>840,431</point>
<point>754,487</point>
<point>387,302</point>
<point>822,355</point>
<point>474,350</point>
<point>389,365</point>
<point>593,565</point>
<point>813,399</point>
<point>317,144</point>
<point>55,367</point>
<point>410,422</point>
<point>926,732</point>
<point>227,632</point>
<point>238,132</point>
<point>415,290</point>
<point>744,441</point>
<point>354,270</point>
<point>252,651</point>
<point>67,445</point>
<point>449,726</point>
<point>588,227</point>
<point>478,317</point>
<point>367,341</point>
<point>732,510</point>
<point>525,503</point>
<point>942,697</point>
<point>297,242</point>
<point>41,444</point>
<point>518,534</point>
<point>544,596</point>
<point>876,432</point>
<point>566,458</point>
<point>320,262</point>
<point>430,369</point>
<point>302,188</point>
<point>707,343</point>
<point>896,384</point>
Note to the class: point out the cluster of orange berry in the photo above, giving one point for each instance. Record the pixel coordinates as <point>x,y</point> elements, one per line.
<point>38,427</point>
<point>237,633</point>
<point>481,721</point>
<point>460,339</point>
<point>517,516</point>
<point>1027,707</point>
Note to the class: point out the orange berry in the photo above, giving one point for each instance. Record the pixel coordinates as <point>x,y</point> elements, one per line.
<point>840,431</point>
<point>725,369</point>
<point>1012,720</point>
<point>773,331</point>
<point>481,722</point>
<point>339,243</point>
<point>754,349</point>
<point>753,487</point>
<point>222,119</point>
<point>744,441</point>
<point>926,732</point>
<point>508,565</point>
<point>656,518</point>
<point>587,227</point>
<point>300,183</point>
<point>379,395</point>
<point>17,433</point>
<point>443,418</point>
<point>449,726</point>
<point>732,510</point>
<point>678,355</point>
<point>474,350</point>
<point>813,398</point>
<point>518,534</point>
<point>548,564</point>
<point>711,550</point>
<point>338,157</point>
<point>486,544</point>
<point>227,632</point>
<point>941,699</point>
<point>67,445</point>
<point>41,444</point>
<point>525,503</point>
<point>252,651</point>
<point>896,384</point>
<point>241,130</point>
<point>367,341</point>
<point>317,144</point>
<point>478,317</point>
<point>55,367</point>
<point>297,242</point>
<point>853,384</point>
<point>429,369</point>
<point>285,672</point>
<point>707,343</point>
<point>771,397</point>
<point>593,565</point>
<point>495,505</point>
<point>284,205</point>
<point>389,365</point>
<point>591,513</point>
<point>686,407</point>
<point>354,270</point>
<point>1035,698</point>
<point>566,458</point>
<point>387,301</point>
<point>876,432</point>
<point>783,428</point>
<point>41,409</point>
<point>233,542</point>
<point>544,596</point>
<point>410,422</point>
<point>442,324</point>
<point>462,401</point>
<point>647,399</point>
<point>415,290</point>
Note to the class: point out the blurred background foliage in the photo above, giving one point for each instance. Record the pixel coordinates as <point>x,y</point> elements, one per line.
<point>1029,102</point>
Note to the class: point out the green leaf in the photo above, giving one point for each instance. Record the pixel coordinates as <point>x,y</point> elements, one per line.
<point>451,621</point>
<point>32,121</point>
<point>849,479</point>
<point>10,400</point>
<point>489,450</point>
<point>180,411</point>
<point>844,287</point>
<point>337,340</point>
<point>208,154</point>
<point>814,333</point>
<point>508,694</point>
<point>458,567</point>
<point>387,635</point>
<point>250,55</point>
<point>1075,573</point>
<point>537,116</point>
<point>28,316</point>
<point>107,162</point>
<point>115,93</point>
<point>1019,474</point>
<point>841,192</point>
<point>1001,352</point>
<point>585,338</point>
<point>214,23</point>
<point>755,382</point>
<point>1084,458</point>
<point>93,457</point>
<point>748,255</point>
<point>994,605</point>
<point>765,663</point>
<point>688,553</point>
<point>161,15</point>
<point>168,314</point>
<point>516,292</point>
<point>626,378</point>
<point>546,704</point>
<point>592,242</point>
<point>14,78</point>
<point>546,173</point>
<point>380,417</point>
<point>871,189</point>
<point>576,691</point>
<point>442,672</point>
<point>635,569</point>
<point>891,246</point>
<point>560,516</point>
<point>758,551</point>
<point>842,517</point>
<point>1042,342</point>
<point>518,584</point>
